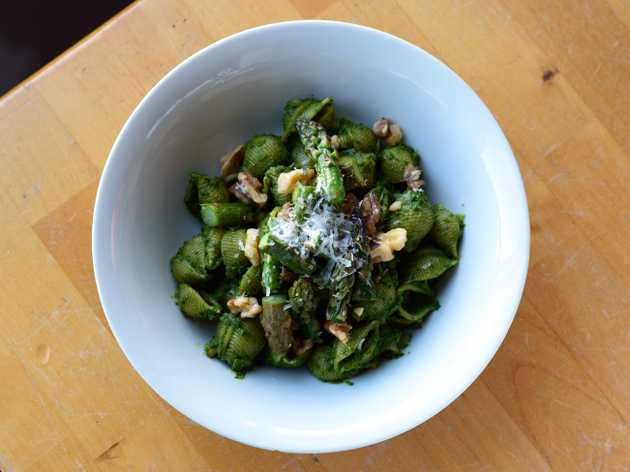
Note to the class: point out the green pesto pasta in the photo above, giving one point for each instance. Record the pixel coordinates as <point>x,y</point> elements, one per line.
<point>395,161</point>
<point>270,184</point>
<point>263,152</point>
<point>288,360</point>
<point>204,189</point>
<point>233,252</point>
<point>358,169</point>
<point>212,238</point>
<point>299,158</point>
<point>447,229</point>
<point>301,199</point>
<point>321,111</point>
<point>237,342</point>
<point>319,249</point>
<point>193,305</point>
<point>356,136</point>
<point>189,264</point>
<point>379,300</point>
<point>251,281</point>
<point>222,215</point>
<point>415,216</point>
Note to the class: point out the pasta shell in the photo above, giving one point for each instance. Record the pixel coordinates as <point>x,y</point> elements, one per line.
<point>447,229</point>
<point>270,184</point>
<point>381,300</point>
<point>426,264</point>
<point>321,365</point>
<point>357,136</point>
<point>263,152</point>
<point>233,253</point>
<point>204,189</point>
<point>414,310</point>
<point>237,342</point>
<point>250,283</point>
<point>394,160</point>
<point>321,111</point>
<point>358,169</point>
<point>213,237</point>
<point>193,305</point>
<point>288,360</point>
<point>415,215</point>
<point>360,350</point>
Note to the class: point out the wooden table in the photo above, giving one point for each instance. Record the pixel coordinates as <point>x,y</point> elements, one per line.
<point>557,395</point>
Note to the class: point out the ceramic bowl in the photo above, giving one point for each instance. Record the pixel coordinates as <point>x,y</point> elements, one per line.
<point>237,87</point>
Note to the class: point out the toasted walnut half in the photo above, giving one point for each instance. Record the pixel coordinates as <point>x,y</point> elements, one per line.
<point>370,212</point>
<point>285,211</point>
<point>251,246</point>
<point>386,243</point>
<point>338,330</point>
<point>412,177</point>
<point>388,130</point>
<point>288,180</point>
<point>358,311</point>
<point>304,346</point>
<point>395,135</point>
<point>350,204</point>
<point>232,161</point>
<point>248,307</point>
<point>248,189</point>
<point>395,206</point>
<point>380,128</point>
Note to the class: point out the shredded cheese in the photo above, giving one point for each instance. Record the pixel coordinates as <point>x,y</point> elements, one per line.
<point>333,236</point>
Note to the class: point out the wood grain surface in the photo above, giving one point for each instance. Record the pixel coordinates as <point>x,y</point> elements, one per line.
<point>556,396</point>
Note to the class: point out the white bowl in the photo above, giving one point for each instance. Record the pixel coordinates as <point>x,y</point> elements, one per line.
<point>217,99</point>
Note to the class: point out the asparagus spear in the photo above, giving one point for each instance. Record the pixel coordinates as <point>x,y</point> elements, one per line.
<point>317,145</point>
<point>227,214</point>
<point>337,309</point>
<point>276,322</point>
<point>287,256</point>
<point>271,274</point>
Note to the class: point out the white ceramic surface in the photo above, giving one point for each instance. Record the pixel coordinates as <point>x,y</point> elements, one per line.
<point>214,101</point>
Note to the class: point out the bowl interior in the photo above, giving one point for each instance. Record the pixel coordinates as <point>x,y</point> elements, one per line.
<point>237,88</point>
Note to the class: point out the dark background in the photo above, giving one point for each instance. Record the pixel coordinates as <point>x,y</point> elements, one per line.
<point>33,32</point>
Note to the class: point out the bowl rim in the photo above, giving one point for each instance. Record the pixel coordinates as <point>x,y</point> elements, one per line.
<point>371,437</point>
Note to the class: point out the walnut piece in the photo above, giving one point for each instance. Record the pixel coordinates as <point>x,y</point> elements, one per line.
<point>248,307</point>
<point>286,275</point>
<point>248,189</point>
<point>251,246</point>
<point>358,311</point>
<point>306,345</point>
<point>412,177</point>
<point>350,204</point>
<point>285,211</point>
<point>288,180</point>
<point>232,161</point>
<point>380,128</point>
<point>395,206</point>
<point>395,135</point>
<point>338,330</point>
<point>370,212</point>
<point>386,243</point>
<point>388,130</point>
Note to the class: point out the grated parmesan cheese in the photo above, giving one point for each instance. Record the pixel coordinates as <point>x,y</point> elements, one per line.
<point>325,233</point>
